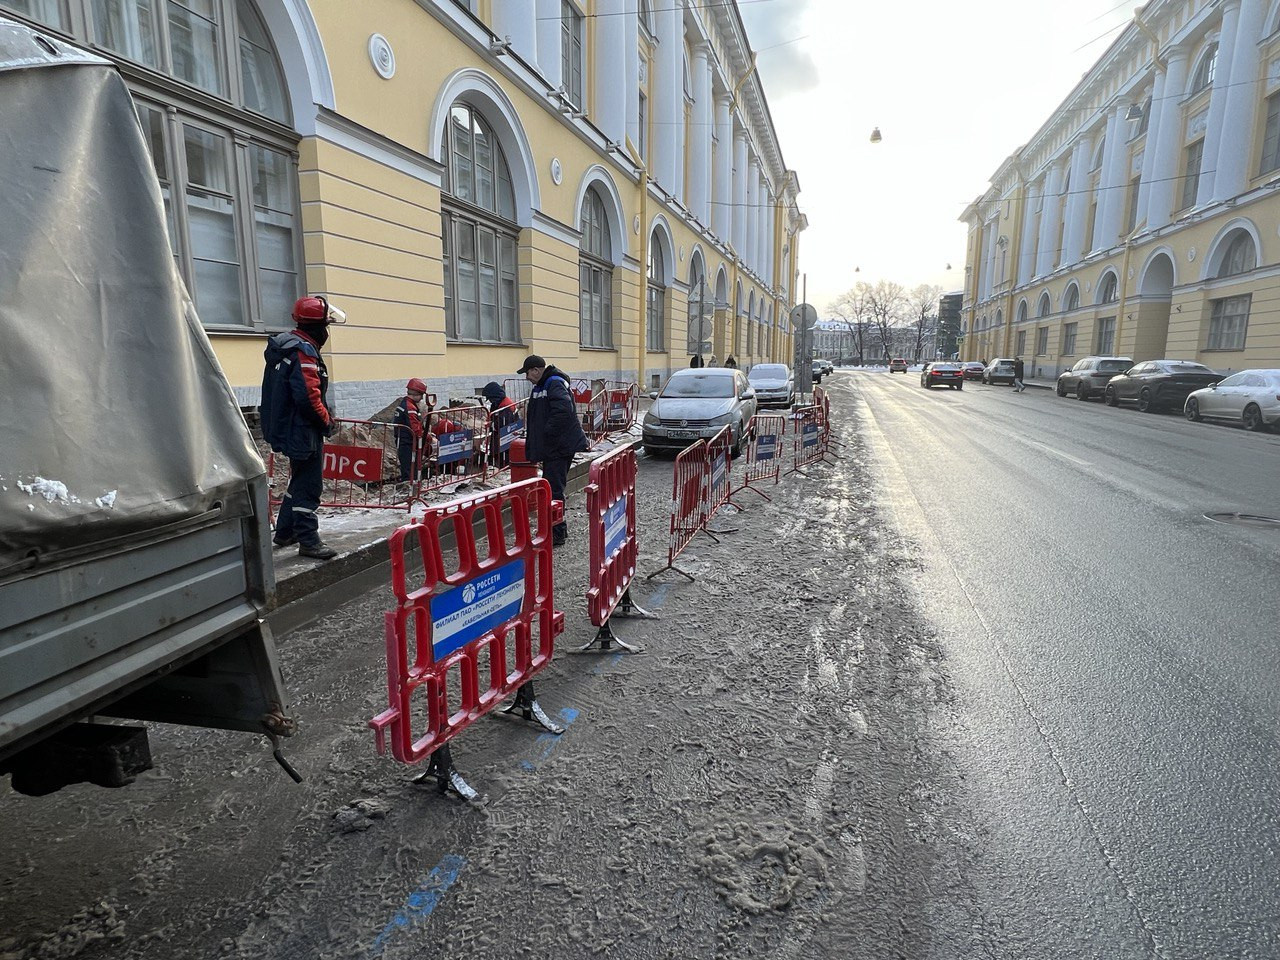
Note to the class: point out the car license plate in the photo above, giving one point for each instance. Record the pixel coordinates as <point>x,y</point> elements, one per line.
<point>682,434</point>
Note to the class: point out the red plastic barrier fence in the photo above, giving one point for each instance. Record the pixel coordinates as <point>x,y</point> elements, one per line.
<point>611,511</point>
<point>764,455</point>
<point>719,472</point>
<point>476,631</point>
<point>688,501</point>
<point>361,469</point>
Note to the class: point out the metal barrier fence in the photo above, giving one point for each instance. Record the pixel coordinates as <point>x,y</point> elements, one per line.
<point>361,468</point>
<point>624,404</point>
<point>764,454</point>
<point>611,513</point>
<point>476,631</point>
<point>720,472</point>
<point>808,445</point>
<point>688,502</point>
<point>505,425</point>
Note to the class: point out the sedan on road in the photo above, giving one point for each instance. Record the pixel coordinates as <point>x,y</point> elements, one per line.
<point>1251,397</point>
<point>1090,376</point>
<point>773,383</point>
<point>897,365</point>
<point>1158,384</point>
<point>695,404</point>
<point>942,375</point>
<point>972,369</point>
<point>998,371</point>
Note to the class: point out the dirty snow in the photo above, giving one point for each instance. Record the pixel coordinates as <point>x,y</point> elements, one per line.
<point>51,490</point>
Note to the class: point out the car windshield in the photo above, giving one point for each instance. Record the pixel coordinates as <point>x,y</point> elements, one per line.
<point>1114,366</point>
<point>1184,366</point>
<point>714,386</point>
<point>768,371</point>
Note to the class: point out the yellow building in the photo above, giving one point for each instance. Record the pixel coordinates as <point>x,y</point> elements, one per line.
<point>1141,219</point>
<point>597,181</point>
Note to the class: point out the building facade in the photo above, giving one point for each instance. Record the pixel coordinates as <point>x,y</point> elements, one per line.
<point>597,181</point>
<point>1141,219</point>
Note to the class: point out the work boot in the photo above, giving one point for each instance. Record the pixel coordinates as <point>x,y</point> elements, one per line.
<point>317,551</point>
<point>559,535</point>
<point>288,541</point>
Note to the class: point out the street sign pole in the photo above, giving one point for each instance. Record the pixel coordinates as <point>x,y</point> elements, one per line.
<point>803,317</point>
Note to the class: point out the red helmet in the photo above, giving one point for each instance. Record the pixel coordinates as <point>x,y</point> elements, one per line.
<point>316,310</point>
<point>416,384</point>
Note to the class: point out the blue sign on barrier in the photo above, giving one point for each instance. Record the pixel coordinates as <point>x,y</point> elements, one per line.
<point>508,433</point>
<point>766,446</point>
<point>615,527</point>
<point>809,437</point>
<point>471,610</point>
<point>457,445</point>
<point>717,472</point>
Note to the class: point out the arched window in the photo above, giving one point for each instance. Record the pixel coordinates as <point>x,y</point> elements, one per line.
<point>1072,302</point>
<point>1205,71</point>
<point>210,95</point>
<point>479,234</point>
<point>1109,291</point>
<point>1241,256</point>
<point>701,307</point>
<point>1022,312</point>
<point>1044,308</point>
<point>999,318</point>
<point>595,267</point>
<point>657,297</point>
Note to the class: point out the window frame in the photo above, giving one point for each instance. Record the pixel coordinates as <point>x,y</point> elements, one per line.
<point>1190,182</point>
<point>1070,331</point>
<point>1217,310</point>
<point>1042,342</point>
<point>572,53</point>
<point>655,299</point>
<point>1107,328</point>
<point>595,272</point>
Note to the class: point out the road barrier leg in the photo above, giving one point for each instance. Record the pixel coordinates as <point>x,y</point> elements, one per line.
<point>606,638</point>
<point>446,775</point>
<point>526,702</point>
<point>671,566</point>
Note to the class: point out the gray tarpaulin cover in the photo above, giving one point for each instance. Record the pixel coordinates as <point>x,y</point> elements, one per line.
<point>115,416</point>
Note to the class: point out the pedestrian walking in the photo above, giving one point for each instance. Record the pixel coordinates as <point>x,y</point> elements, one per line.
<point>296,417</point>
<point>731,363</point>
<point>552,433</point>
<point>408,427</point>
<point>1018,370</point>
<point>695,361</point>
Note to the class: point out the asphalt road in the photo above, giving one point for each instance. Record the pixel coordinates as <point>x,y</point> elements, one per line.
<point>1113,658</point>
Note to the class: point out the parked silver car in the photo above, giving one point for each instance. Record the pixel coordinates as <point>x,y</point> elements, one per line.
<point>1090,376</point>
<point>773,383</point>
<point>695,404</point>
<point>1251,397</point>
<point>999,370</point>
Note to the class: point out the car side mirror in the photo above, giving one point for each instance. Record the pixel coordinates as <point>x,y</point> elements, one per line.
<point>653,394</point>
<point>1213,386</point>
<point>747,394</point>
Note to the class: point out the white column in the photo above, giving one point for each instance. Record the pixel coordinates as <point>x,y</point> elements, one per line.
<point>771,243</point>
<point>722,213</point>
<point>1223,74</point>
<point>668,99</point>
<point>1026,243</point>
<point>739,225</point>
<point>549,42</point>
<point>700,135</point>
<point>988,260</point>
<point>631,71</point>
<point>1077,201</point>
<point>1167,148</point>
<point>518,20</point>
<point>762,221</point>
<point>1232,177</point>
<point>610,25</point>
<point>1050,221</point>
<point>1111,203</point>
<point>1149,148</point>
<point>749,222</point>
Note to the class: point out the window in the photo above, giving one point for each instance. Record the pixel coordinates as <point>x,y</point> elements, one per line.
<point>571,51</point>
<point>227,178</point>
<point>1069,339</point>
<point>479,235</point>
<point>1109,292</point>
<point>1205,72</point>
<point>1073,299</point>
<point>1271,139</point>
<point>644,128</point>
<point>701,309</point>
<point>1191,176</point>
<point>1106,336</point>
<point>1144,122</point>
<point>1131,215</point>
<point>1022,312</point>
<point>1021,348</point>
<point>1241,257</point>
<point>1043,311</point>
<point>657,295</point>
<point>595,266</point>
<point>1042,341</point>
<point>1229,322</point>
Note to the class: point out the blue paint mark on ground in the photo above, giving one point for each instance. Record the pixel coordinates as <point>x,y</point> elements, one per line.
<point>658,597</point>
<point>609,664</point>
<point>423,900</point>
<point>546,742</point>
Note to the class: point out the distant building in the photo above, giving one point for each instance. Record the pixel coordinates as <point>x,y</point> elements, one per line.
<point>949,311</point>
<point>1140,219</point>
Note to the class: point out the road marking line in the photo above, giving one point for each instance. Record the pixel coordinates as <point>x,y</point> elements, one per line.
<point>1058,453</point>
<point>425,899</point>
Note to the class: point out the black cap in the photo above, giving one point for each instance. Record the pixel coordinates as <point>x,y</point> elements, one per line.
<point>531,361</point>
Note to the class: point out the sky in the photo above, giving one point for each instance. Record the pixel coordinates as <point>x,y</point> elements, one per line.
<point>955,88</point>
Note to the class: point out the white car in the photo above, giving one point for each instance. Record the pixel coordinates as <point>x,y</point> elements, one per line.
<point>695,404</point>
<point>1251,397</point>
<point>773,383</point>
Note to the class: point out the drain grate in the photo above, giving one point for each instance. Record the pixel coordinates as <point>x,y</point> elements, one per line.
<point>1245,520</point>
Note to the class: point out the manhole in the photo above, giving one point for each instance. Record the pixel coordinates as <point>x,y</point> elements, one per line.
<point>1245,520</point>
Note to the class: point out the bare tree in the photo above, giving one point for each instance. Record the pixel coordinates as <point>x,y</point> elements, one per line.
<point>923,304</point>
<point>853,309</point>
<point>887,305</point>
